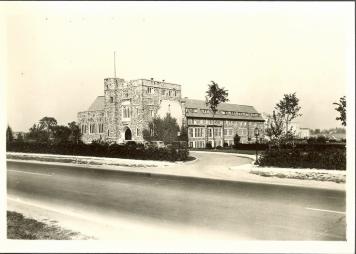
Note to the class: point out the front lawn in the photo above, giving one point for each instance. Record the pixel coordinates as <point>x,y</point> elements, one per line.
<point>20,227</point>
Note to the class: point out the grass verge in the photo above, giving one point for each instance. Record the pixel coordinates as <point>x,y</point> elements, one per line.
<point>251,152</point>
<point>324,177</point>
<point>20,227</point>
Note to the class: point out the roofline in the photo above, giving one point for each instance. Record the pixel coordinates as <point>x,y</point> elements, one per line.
<point>184,99</point>
<point>228,119</point>
<point>90,111</point>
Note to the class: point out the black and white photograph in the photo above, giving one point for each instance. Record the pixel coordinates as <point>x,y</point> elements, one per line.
<point>160,126</point>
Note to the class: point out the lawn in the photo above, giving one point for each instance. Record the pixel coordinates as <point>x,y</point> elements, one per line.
<point>20,227</point>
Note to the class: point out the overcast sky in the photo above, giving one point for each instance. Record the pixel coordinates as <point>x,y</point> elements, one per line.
<point>60,53</point>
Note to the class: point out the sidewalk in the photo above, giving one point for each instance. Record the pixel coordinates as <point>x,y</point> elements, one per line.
<point>208,165</point>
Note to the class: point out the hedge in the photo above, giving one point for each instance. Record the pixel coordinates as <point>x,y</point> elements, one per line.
<point>314,146</point>
<point>101,150</point>
<point>308,157</point>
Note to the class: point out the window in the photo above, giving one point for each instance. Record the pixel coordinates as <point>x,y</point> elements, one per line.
<point>175,93</point>
<point>210,132</point>
<point>101,127</point>
<point>108,133</point>
<point>92,128</point>
<point>126,112</point>
<point>137,111</point>
<point>170,92</point>
<point>84,128</point>
<point>152,113</point>
<point>111,99</point>
<point>217,132</point>
<point>190,121</point>
<point>163,91</point>
<point>225,132</point>
<point>191,144</point>
<point>200,144</point>
<point>198,132</point>
<point>150,90</point>
<point>137,132</point>
<point>190,132</point>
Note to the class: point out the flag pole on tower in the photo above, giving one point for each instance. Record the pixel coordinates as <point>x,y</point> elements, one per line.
<point>115,64</point>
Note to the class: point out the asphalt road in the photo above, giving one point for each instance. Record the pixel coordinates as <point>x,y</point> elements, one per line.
<point>257,211</point>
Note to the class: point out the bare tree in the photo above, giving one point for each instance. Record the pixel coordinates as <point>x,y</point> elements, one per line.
<point>215,96</point>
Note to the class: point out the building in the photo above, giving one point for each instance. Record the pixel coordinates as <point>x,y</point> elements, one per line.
<point>230,119</point>
<point>304,133</point>
<point>127,107</point>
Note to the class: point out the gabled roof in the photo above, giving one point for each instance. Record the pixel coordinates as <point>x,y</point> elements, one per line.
<point>98,104</point>
<point>200,104</point>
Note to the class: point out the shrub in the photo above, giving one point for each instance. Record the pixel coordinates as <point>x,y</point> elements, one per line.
<point>208,145</point>
<point>237,139</point>
<point>99,149</point>
<point>218,147</point>
<point>226,144</point>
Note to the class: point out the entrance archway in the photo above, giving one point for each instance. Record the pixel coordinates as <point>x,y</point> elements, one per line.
<point>128,134</point>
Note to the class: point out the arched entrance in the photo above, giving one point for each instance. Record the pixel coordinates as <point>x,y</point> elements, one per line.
<point>128,134</point>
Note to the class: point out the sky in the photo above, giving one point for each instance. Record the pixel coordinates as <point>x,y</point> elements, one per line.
<point>59,53</point>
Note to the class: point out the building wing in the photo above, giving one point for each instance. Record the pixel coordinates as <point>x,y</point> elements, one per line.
<point>198,108</point>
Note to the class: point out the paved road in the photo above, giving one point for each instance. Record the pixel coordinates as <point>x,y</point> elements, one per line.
<point>256,211</point>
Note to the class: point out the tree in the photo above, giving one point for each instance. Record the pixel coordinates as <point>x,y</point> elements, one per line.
<point>37,134</point>
<point>47,123</point>
<point>341,108</point>
<point>165,130</point>
<point>9,135</point>
<point>61,133</point>
<point>288,108</point>
<point>183,134</point>
<point>74,132</point>
<point>20,137</point>
<point>274,126</point>
<point>215,96</point>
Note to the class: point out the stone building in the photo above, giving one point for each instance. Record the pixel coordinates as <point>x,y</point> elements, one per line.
<point>126,109</point>
<point>128,106</point>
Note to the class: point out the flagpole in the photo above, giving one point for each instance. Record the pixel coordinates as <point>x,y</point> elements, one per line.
<point>114,64</point>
